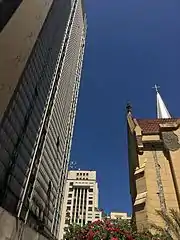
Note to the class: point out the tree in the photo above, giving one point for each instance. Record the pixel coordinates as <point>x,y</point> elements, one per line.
<point>172,223</point>
<point>98,230</point>
<point>106,230</point>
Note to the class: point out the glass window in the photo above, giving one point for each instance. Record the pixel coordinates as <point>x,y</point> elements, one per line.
<point>68,201</point>
<point>67,221</point>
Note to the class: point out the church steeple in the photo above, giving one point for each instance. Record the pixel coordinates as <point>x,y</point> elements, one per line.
<point>162,111</point>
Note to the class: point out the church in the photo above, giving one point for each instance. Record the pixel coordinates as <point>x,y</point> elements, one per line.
<point>154,164</point>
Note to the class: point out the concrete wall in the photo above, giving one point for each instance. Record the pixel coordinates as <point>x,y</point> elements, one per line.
<point>13,229</point>
<point>16,43</point>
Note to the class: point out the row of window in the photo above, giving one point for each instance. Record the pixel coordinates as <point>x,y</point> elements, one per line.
<point>82,174</point>
<point>79,202</point>
<point>80,178</point>
<point>53,39</point>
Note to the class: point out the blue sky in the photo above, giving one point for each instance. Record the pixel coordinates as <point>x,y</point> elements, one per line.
<point>131,45</point>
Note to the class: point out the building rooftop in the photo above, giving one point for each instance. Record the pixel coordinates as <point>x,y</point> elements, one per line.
<point>151,126</point>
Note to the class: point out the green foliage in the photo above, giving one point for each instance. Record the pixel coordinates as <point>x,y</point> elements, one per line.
<point>172,222</point>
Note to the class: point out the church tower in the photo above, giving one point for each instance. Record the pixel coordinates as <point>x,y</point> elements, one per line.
<point>154,164</point>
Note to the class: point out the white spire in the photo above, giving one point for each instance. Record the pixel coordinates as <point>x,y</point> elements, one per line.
<point>162,111</point>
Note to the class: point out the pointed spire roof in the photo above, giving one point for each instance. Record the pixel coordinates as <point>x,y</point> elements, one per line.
<point>162,111</point>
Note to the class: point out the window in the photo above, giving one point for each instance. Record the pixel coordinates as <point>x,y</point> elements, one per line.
<point>90,197</point>
<point>86,174</point>
<point>67,214</point>
<point>58,142</point>
<point>71,183</point>
<point>70,195</point>
<point>67,221</point>
<point>90,202</point>
<point>68,208</point>
<point>83,174</point>
<point>89,221</point>
<point>89,208</point>
<point>91,190</point>
<point>70,189</point>
<point>77,174</point>
<point>68,201</point>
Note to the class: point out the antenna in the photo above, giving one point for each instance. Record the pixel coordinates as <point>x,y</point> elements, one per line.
<point>72,165</point>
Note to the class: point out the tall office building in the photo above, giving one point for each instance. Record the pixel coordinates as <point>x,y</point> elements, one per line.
<point>41,53</point>
<point>81,199</point>
<point>154,152</point>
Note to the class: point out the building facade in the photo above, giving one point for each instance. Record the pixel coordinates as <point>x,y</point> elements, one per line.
<point>119,215</point>
<point>154,166</point>
<point>41,47</point>
<point>81,200</point>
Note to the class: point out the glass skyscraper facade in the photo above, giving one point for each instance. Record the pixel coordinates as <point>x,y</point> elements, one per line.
<point>42,47</point>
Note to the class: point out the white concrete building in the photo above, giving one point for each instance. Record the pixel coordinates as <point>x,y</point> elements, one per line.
<point>119,215</point>
<point>80,200</point>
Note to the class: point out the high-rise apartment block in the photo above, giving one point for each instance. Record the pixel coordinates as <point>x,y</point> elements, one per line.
<point>154,166</point>
<point>41,52</point>
<point>81,199</point>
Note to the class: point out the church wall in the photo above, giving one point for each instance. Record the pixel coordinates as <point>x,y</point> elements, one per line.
<point>132,156</point>
<point>140,183</point>
<point>150,137</point>
<point>152,203</point>
<point>141,217</point>
<point>175,161</point>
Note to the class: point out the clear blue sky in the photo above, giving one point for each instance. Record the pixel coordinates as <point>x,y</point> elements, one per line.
<point>131,45</point>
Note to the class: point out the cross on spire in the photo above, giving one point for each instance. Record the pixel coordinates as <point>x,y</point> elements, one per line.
<point>156,88</point>
<point>162,111</point>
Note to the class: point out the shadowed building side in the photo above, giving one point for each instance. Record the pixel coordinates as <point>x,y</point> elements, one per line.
<point>154,168</point>
<point>42,47</point>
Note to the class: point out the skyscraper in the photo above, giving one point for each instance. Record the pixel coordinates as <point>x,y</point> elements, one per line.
<point>154,152</point>
<point>41,53</point>
<point>81,199</point>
